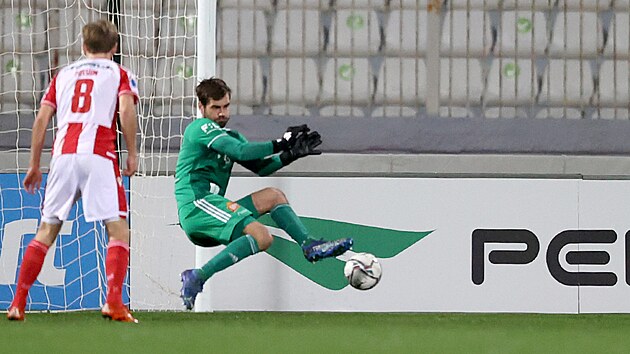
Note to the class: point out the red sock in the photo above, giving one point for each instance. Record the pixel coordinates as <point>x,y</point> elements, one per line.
<point>31,266</point>
<point>116,263</point>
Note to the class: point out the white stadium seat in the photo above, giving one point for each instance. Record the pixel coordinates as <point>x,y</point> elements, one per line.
<point>613,84</point>
<point>567,83</point>
<point>360,4</point>
<point>522,34</point>
<point>406,33</point>
<point>474,5</point>
<point>23,30</point>
<point>537,5</point>
<point>408,4</point>
<point>401,81</point>
<point>347,81</point>
<point>511,82</point>
<point>576,35</point>
<point>466,33</point>
<point>584,5</point>
<point>354,32</point>
<point>297,33</point>
<point>241,33</point>
<point>460,82</point>
<point>341,111</point>
<point>303,4</point>
<point>138,29</point>
<point>245,78</point>
<point>179,34</point>
<point>293,81</point>
<point>246,4</point>
<point>618,44</point>
<point>394,111</point>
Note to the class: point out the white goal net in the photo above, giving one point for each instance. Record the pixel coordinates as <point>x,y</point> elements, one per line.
<point>158,44</point>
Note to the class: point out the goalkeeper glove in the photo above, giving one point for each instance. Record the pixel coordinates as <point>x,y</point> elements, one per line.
<point>289,137</point>
<point>304,145</point>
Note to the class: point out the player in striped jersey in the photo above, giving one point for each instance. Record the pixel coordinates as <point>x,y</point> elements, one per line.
<point>204,166</point>
<point>86,96</point>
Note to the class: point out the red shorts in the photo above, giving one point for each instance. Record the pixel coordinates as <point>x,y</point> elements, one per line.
<point>94,178</point>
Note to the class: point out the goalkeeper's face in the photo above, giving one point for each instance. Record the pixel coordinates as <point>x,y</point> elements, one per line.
<point>217,110</point>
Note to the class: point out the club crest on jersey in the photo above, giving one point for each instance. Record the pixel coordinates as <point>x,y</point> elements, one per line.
<point>233,206</point>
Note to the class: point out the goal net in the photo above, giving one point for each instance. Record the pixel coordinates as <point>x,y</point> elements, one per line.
<point>158,44</point>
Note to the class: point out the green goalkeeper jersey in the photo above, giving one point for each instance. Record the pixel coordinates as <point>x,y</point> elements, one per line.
<point>206,157</point>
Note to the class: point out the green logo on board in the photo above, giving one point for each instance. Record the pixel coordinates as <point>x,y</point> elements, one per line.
<point>381,242</point>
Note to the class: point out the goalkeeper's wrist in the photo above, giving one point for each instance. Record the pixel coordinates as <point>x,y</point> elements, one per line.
<point>286,158</point>
<point>278,145</point>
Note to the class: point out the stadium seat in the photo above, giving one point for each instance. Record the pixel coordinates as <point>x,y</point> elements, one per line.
<point>297,33</point>
<point>506,112</point>
<point>175,77</point>
<point>612,113</point>
<point>584,5</point>
<point>522,34</point>
<point>341,111</point>
<point>19,81</point>
<point>23,30</point>
<point>303,4</point>
<point>360,4</point>
<point>473,5</point>
<point>354,32</point>
<point>560,113</point>
<point>394,111</point>
<point>178,34</point>
<point>145,71</point>
<point>241,32</point>
<point>466,33</point>
<point>288,110</point>
<point>621,5</point>
<point>406,33</point>
<point>138,30</point>
<point>567,83</point>
<point>461,84</point>
<point>408,4</point>
<point>246,4</point>
<point>536,5</point>
<point>293,81</point>
<point>618,44</point>
<point>71,21</point>
<point>613,84</point>
<point>576,35</point>
<point>347,81</point>
<point>245,78</point>
<point>401,81</point>
<point>511,82</point>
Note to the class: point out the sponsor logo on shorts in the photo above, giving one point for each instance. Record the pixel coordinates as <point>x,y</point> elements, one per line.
<point>233,206</point>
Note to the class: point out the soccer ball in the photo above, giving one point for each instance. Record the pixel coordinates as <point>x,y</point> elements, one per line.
<point>363,271</point>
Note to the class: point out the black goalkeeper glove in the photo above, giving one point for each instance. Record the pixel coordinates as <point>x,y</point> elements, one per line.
<point>304,145</point>
<point>289,137</point>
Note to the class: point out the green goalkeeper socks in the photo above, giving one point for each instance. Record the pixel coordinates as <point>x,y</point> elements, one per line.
<point>235,251</point>
<point>288,221</point>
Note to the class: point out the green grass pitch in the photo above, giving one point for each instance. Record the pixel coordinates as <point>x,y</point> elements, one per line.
<point>314,332</point>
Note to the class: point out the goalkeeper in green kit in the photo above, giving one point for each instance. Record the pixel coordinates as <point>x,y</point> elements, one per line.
<point>204,165</point>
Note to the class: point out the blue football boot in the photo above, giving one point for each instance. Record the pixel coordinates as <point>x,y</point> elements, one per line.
<point>314,250</point>
<point>192,285</point>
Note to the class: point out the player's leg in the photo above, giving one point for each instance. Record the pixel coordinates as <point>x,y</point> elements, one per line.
<point>31,267</point>
<point>273,201</point>
<point>215,220</point>
<point>104,199</point>
<point>61,194</point>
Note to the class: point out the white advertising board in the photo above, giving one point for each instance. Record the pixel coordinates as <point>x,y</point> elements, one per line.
<point>491,245</point>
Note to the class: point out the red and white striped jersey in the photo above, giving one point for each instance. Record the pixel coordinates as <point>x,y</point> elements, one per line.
<point>85,96</point>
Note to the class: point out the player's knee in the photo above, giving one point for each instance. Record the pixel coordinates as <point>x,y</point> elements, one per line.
<point>265,241</point>
<point>276,195</point>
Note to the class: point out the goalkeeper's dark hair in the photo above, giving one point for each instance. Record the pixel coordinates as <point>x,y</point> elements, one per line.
<point>212,88</point>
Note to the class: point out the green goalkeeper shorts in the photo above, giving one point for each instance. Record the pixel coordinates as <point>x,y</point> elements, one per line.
<point>213,219</point>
